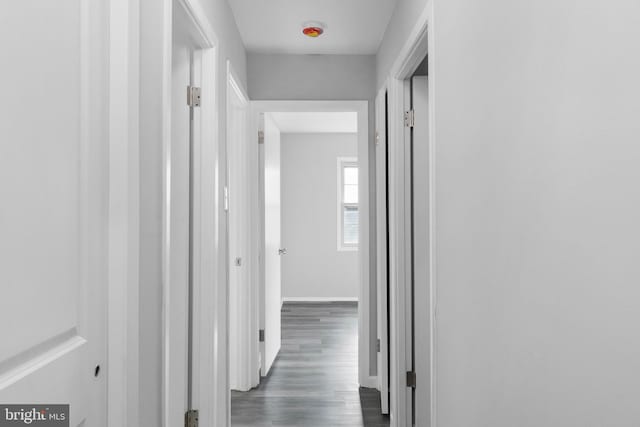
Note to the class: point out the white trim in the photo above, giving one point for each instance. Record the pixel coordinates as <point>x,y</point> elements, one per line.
<point>319,299</point>
<point>198,16</point>
<point>370,382</point>
<point>381,247</point>
<point>233,80</point>
<point>361,107</point>
<point>205,243</point>
<point>341,163</point>
<point>419,41</point>
<point>400,401</point>
<point>167,14</point>
<point>124,227</point>
<point>415,48</point>
<point>205,206</point>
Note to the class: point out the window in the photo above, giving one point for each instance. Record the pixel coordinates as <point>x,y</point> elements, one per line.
<point>348,213</point>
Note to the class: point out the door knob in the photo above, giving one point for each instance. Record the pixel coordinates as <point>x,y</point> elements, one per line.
<point>282,251</point>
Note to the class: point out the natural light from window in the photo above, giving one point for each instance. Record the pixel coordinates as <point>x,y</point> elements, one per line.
<point>348,207</point>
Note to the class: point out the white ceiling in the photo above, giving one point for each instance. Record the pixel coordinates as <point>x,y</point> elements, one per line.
<point>275,26</point>
<point>329,122</point>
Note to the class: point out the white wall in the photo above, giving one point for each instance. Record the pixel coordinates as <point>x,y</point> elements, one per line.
<point>311,77</point>
<point>313,266</point>
<point>153,33</point>
<point>324,77</point>
<point>537,207</point>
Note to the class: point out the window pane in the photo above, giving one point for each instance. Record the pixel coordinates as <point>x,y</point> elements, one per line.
<point>350,225</point>
<point>350,194</point>
<point>350,175</point>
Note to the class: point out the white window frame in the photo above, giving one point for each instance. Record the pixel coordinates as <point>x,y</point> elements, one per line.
<point>342,163</point>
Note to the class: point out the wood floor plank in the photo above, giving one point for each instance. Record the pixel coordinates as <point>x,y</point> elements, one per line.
<point>314,380</point>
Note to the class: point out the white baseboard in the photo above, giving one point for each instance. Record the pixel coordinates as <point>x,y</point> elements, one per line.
<point>318,299</point>
<point>370,382</point>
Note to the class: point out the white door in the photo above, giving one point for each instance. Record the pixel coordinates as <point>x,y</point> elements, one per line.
<point>273,250</point>
<point>382,278</point>
<point>240,373</point>
<point>54,205</point>
<point>421,253</point>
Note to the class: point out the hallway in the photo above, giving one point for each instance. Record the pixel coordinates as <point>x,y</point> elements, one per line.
<point>313,382</point>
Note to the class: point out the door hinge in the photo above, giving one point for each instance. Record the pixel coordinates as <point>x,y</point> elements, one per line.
<point>409,118</point>
<point>378,345</point>
<point>261,335</point>
<point>260,137</point>
<point>191,418</point>
<point>193,96</point>
<point>226,199</point>
<point>411,379</point>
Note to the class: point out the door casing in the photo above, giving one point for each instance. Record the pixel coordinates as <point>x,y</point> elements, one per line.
<point>419,42</point>
<point>124,215</point>
<point>365,343</point>
<point>204,249</point>
<point>382,272</point>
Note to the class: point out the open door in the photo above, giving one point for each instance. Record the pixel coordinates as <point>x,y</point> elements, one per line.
<point>241,316</point>
<point>272,251</point>
<point>382,230</point>
<point>54,172</point>
<point>420,191</point>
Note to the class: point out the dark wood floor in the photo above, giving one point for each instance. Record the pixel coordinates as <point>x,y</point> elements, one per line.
<point>314,380</point>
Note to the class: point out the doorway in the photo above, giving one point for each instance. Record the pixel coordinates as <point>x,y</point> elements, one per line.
<point>189,216</point>
<point>420,246</point>
<point>366,346</point>
<point>279,255</point>
<point>409,229</point>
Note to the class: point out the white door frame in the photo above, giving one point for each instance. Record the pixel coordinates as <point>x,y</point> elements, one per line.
<point>419,42</point>
<point>206,211</point>
<point>205,242</point>
<point>361,108</point>
<point>381,250</point>
<point>124,202</point>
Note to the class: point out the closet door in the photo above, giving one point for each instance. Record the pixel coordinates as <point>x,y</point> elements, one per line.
<point>54,206</point>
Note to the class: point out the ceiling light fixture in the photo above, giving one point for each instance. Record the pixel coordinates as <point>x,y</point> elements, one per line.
<point>313,29</point>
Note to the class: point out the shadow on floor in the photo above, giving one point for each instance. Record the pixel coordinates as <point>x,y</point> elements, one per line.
<point>370,405</point>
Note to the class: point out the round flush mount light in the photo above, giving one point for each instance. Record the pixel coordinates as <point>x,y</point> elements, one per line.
<point>312,29</point>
